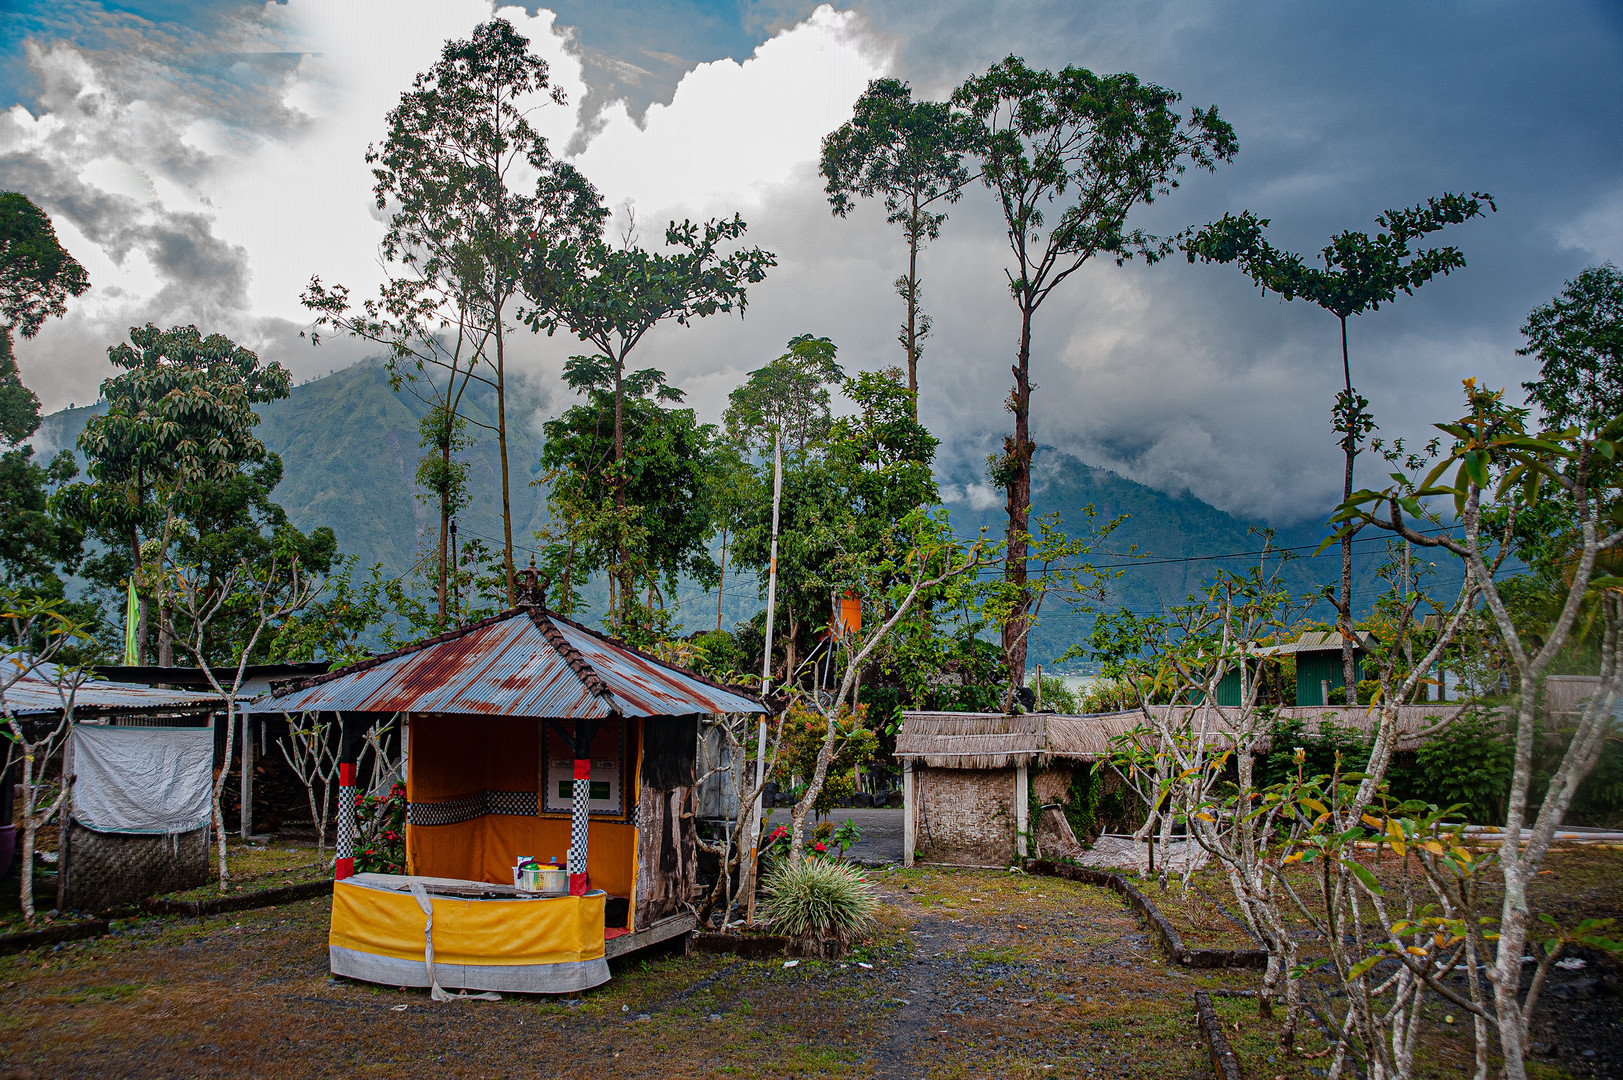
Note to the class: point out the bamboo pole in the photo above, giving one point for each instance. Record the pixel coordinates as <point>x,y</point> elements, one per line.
<point>766,678</point>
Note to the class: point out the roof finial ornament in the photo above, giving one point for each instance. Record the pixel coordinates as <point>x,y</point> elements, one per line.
<point>532,588</point>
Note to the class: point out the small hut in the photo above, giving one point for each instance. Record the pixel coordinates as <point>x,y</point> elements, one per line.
<point>527,735</point>
<point>1319,669</point>
<point>137,819</point>
<point>969,779</point>
<point>984,789</point>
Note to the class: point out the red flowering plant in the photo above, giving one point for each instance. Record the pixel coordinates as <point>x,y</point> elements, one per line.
<point>380,832</point>
<point>855,744</point>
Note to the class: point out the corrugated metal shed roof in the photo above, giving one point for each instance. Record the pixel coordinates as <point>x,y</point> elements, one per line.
<point>35,695</point>
<point>1326,640</point>
<point>523,662</point>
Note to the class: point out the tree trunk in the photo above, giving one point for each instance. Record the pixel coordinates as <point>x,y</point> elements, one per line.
<point>142,602</point>
<point>913,309</point>
<point>501,438</point>
<point>217,814</point>
<point>1349,673</point>
<point>624,569</point>
<point>445,520</point>
<point>722,584</point>
<point>1017,451</point>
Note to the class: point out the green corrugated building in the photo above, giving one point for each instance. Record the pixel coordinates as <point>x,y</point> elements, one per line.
<point>1318,665</point>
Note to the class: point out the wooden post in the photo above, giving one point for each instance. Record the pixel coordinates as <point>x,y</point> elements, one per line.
<point>1021,810</point>
<point>247,777</point>
<point>908,810</point>
<point>580,803</point>
<point>344,843</point>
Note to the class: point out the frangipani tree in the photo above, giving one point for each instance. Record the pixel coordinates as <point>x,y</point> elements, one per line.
<point>1494,459</point>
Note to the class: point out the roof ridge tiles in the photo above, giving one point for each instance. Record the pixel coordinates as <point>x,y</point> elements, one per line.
<point>577,663</point>
<point>689,672</point>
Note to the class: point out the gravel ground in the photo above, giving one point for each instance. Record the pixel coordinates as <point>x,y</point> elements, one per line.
<point>969,974</point>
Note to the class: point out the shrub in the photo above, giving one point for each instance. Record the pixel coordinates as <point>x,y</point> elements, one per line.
<point>1467,764</point>
<point>380,827</point>
<point>1058,696</point>
<point>819,898</point>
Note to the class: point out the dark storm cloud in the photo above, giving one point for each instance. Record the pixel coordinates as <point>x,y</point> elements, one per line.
<point>1182,376</point>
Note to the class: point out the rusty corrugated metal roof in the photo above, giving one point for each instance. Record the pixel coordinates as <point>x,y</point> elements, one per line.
<point>35,695</point>
<point>523,662</point>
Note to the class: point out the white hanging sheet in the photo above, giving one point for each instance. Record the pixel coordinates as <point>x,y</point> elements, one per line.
<point>142,780</point>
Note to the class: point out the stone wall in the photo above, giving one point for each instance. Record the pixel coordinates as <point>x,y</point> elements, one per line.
<point>102,871</point>
<point>964,816</point>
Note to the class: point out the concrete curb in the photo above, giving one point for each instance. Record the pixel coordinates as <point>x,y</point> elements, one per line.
<point>1224,1064</point>
<point>242,901</point>
<point>52,935</point>
<point>1168,934</point>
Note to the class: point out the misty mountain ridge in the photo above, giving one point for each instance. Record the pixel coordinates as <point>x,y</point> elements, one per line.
<point>350,446</point>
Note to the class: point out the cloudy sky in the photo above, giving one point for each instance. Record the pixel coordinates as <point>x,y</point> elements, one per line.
<point>203,158</point>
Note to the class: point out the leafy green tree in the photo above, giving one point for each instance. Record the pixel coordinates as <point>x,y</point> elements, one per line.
<point>788,397</point>
<point>180,413</point>
<point>911,153</point>
<point>1069,154</point>
<point>36,275</point>
<point>232,523</point>
<point>667,517</point>
<point>1361,272</point>
<point>461,230</point>
<point>842,494</point>
<point>611,297</point>
<point>36,278</point>
<point>1578,339</point>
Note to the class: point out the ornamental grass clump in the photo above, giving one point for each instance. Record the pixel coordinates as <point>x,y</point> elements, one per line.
<point>819,898</point>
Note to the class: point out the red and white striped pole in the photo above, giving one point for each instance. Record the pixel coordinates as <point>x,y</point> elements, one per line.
<point>581,799</point>
<point>345,846</point>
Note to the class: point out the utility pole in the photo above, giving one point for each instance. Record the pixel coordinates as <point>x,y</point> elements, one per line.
<point>766,675</point>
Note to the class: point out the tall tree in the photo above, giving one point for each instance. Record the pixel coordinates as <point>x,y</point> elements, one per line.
<point>667,512</point>
<point>911,153</point>
<point>461,229</point>
<point>611,297</point>
<point>179,413</point>
<point>36,278</point>
<point>1361,272</point>
<point>788,397</point>
<point>1069,154</point>
<point>1578,339</point>
<point>843,493</point>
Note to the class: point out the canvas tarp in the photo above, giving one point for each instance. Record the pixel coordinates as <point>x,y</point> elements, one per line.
<point>142,780</point>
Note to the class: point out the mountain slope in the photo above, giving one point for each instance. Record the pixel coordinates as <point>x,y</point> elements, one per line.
<point>349,447</point>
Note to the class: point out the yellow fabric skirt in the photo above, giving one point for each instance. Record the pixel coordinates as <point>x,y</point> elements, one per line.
<point>523,944</point>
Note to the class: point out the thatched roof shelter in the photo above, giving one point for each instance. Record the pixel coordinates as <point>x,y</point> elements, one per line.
<point>949,740</point>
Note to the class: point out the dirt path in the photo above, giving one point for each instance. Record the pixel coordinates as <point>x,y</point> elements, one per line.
<point>971,975</point>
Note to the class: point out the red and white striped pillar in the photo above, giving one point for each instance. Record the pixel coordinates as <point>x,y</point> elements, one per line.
<point>345,845</point>
<point>580,804</point>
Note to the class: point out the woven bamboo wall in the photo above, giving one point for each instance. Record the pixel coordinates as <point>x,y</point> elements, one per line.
<point>964,816</point>
<point>105,870</point>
